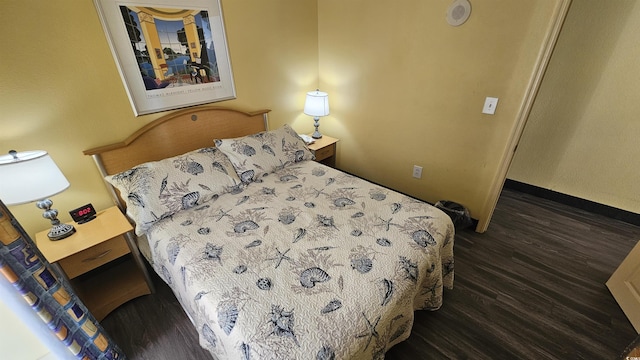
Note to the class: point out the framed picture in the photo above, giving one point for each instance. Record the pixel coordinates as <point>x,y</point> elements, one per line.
<point>170,54</point>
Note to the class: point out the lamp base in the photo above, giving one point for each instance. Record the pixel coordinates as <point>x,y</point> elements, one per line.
<point>61,231</point>
<point>316,134</point>
<point>58,230</point>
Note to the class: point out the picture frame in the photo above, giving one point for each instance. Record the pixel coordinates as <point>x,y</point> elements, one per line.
<point>170,54</point>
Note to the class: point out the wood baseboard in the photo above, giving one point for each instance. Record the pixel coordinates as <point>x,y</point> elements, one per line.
<point>588,205</point>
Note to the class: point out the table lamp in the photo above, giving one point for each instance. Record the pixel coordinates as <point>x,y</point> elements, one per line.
<point>316,105</point>
<point>33,176</point>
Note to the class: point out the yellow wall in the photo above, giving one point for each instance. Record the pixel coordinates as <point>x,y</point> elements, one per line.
<point>406,88</point>
<point>582,135</point>
<point>61,91</point>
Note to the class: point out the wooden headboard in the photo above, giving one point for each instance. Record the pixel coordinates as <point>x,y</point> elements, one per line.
<point>176,134</point>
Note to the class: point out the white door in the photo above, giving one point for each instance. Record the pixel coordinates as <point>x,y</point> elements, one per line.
<point>624,285</point>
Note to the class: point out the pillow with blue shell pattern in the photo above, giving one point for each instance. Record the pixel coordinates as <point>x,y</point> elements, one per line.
<point>156,190</point>
<point>256,155</point>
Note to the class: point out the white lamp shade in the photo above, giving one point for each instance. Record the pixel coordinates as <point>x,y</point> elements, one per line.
<point>32,176</point>
<point>317,103</point>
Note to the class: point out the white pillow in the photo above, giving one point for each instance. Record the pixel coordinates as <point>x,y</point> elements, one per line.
<point>259,154</point>
<point>156,190</point>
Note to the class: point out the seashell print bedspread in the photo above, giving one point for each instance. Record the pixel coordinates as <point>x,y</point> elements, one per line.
<point>309,263</point>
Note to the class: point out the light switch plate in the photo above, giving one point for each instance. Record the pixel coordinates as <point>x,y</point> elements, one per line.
<point>490,104</point>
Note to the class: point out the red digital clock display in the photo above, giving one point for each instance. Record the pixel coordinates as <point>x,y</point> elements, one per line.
<point>83,214</point>
<point>85,211</point>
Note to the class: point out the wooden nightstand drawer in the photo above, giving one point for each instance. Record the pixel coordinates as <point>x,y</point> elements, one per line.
<point>91,258</point>
<point>325,152</point>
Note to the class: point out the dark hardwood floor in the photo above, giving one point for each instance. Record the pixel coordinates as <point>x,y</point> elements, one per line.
<point>531,287</point>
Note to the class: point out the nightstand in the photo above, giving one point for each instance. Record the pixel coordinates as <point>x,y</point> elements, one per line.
<point>101,262</point>
<point>325,150</point>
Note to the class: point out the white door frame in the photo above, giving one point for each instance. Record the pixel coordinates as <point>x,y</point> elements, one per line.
<point>553,32</point>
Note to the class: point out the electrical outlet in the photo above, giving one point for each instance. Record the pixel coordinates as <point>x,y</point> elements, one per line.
<point>417,171</point>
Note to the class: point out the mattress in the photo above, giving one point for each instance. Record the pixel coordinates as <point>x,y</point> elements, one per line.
<point>305,263</point>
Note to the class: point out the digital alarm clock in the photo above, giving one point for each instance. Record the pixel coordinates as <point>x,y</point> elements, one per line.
<point>83,214</point>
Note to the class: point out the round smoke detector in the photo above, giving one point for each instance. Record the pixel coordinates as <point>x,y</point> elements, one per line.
<point>458,12</point>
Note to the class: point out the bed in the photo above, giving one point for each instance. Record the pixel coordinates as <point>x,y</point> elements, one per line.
<point>271,254</point>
